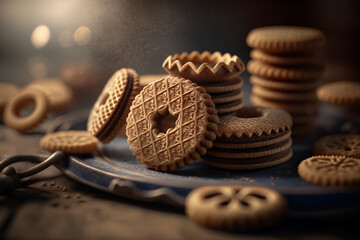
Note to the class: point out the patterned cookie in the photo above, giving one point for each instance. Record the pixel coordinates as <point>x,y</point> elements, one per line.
<point>251,121</point>
<point>16,115</point>
<point>303,96</point>
<point>236,207</point>
<point>74,142</point>
<point>222,86</point>
<point>264,70</point>
<point>194,123</point>
<point>110,110</point>
<point>284,60</point>
<point>149,78</point>
<point>226,97</point>
<point>330,170</point>
<point>229,107</point>
<point>286,39</point>
<point>289,86</point>
<point>7,90</point>
<point>200,67</point>
<point>59,95</point>
<point>342,93</point>
<point>339,144</point>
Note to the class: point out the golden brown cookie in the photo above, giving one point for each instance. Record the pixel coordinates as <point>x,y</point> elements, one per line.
<point>330,170</point>
<point>110,110</point>
<point>264,70</point>
<point>74,142</point>
<point>149,78</point>
<point>222,86</point>
<point>345,93</point>
<point>194,121</point>
<point>236,207</point>
<point>205,66</point>
<point>338,144</point>
<point>226,97</point>
<point>25,110</point>
<point>284,60</point>
<point>286,39</point>
<point>229,107</point>
<point>303,96</point>
<point>290,86</point>
<point>7,90</point>
<point>59,95</point>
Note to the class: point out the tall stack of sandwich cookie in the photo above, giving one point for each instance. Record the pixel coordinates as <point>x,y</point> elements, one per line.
<point>216,72</point>
<point>286,70</point>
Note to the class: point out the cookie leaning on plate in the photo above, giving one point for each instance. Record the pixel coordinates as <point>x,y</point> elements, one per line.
<point>110,110</point>
<point>194,122</point>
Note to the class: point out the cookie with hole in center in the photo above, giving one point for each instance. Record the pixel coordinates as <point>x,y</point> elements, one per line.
<point>236,207</point>
<point>192,120</point>
<point>338,144</point>
<point>111,108</point>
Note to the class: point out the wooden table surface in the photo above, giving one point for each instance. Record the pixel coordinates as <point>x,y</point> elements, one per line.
<point>56,207</point>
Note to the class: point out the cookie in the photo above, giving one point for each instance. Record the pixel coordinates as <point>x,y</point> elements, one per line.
<point>345,93</point>
<point>74,142</point>
<point>59,95</point>
<point>286,39</point>
<point>205,66</point>
<point>338,144</point>
<point>264,70</point>
<point>229,107</point>
<point>303,96</point>
<point>194,121</point>
<point>284,60</point>
<point>17,114</point>
<point>289,86</point>
<point>149,78</point>
<point>222,86</point>
<point>111,108</point>
<point>226,97</point>
<point>235,207</point>
<point>330,170</point>
<point>7,90</point>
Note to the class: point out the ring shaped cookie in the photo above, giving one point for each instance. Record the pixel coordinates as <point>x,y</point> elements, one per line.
<point>235,207</point>
<point>25,98</point>
<point>254,120</point>
<point>110,110</point>
<point>195,122</point>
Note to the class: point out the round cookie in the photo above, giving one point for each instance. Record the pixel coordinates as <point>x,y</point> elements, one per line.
<point>292,86</point>
<point>345,93</point>
<point>338,144</point>
<point>194,123</point>
<point>286,39</point>
<point>264,70</point>
<point>149,78</point>
<point>205,66</point>
<point>111,108</point>
<point>236,207</point>
<point>226,97</point>
<point>25,98</point>
<point>59,95</point>
<point>284,60</point>
<point>74,142</point>
<point>284,96</point>
<point>330,170</point>
<point>7,90</point>
<point>223,86</point>
<point>229,107</point>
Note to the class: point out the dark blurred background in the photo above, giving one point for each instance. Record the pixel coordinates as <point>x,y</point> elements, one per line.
<point>85,41</point>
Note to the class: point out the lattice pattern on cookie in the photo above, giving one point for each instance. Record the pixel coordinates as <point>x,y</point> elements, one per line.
<point>170,150</point>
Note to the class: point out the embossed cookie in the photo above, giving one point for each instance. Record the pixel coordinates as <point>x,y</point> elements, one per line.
<point>26,109</point>
<point>7,90</point>
<point>330,170</point>
<point>205,66</point>
<point>338,144</point>
<point>345,93</point>
<point>59,95</point>
<point>286,39</point>
<point>236,207</point>
<point>149,78</point>
<point>111,108</point>
<point>194,119</point>
<point>74,142</point>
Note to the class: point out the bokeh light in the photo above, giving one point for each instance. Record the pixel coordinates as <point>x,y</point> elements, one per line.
<point>40,36</point>
<point>82,35</point>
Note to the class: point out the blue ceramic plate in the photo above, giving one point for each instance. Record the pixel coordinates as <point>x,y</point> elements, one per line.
<point>114,169</point>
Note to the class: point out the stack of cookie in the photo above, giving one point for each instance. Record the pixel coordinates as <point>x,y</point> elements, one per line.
<point>217,73</point>
<point>253,137</point>
<point>286,70</point>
